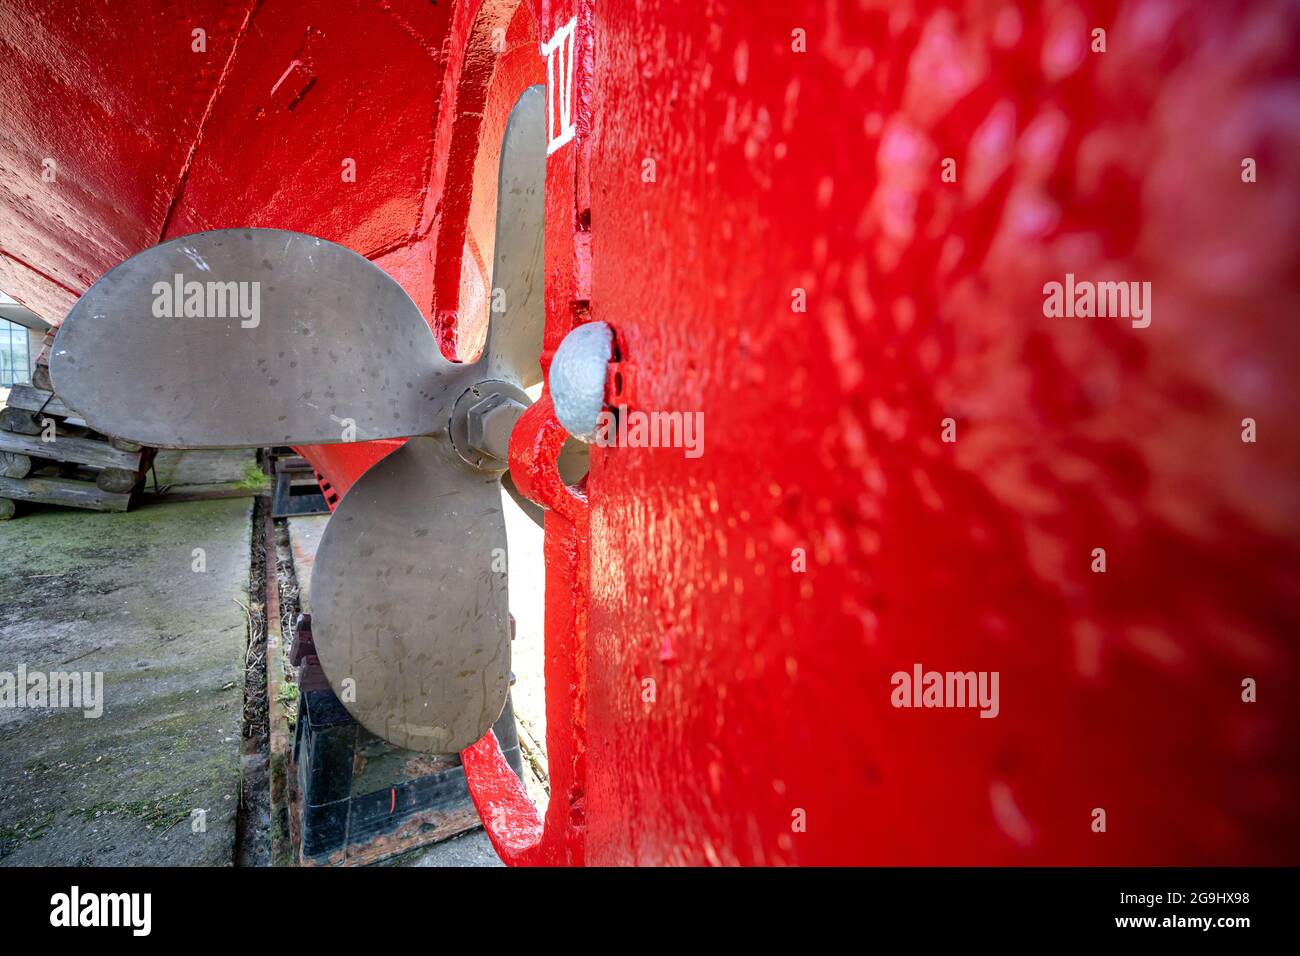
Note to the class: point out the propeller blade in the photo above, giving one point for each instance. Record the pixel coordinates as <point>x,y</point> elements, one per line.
<point>248,337</point>
<point>409,599</point>
<point>535,512</point>
<point>515,336</point>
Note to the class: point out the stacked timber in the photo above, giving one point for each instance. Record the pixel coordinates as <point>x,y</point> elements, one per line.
<point>49,455</point>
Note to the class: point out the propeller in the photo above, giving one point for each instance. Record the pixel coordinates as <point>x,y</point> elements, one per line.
<point>409,588</point>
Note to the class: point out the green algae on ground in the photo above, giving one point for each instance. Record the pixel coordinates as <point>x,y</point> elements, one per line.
<point>124,595</point>
<point>254,480</point>
<point>33,828</point>
<point>164,812</point>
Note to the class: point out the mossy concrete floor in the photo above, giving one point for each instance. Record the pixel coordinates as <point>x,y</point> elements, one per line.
<point>125,595</point>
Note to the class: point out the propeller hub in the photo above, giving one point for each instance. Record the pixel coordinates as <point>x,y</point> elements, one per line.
<point>482,420</point>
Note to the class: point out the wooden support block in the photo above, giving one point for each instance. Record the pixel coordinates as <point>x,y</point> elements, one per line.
<point>82,451</point>
<point>124,479</point>
<point>38,400</point>
<point>117,479</point>
<point>19,421</point>
<point>41,378</point>
<point>63,491</point>
<point>8,509</point>
<point>13,465</point>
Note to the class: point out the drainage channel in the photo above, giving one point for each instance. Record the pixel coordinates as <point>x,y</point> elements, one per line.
<point>253,826</point>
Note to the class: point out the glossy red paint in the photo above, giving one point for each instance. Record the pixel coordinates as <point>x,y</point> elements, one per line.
<point>779,169</point>
<point>116,117</point>
<point>511,820</point>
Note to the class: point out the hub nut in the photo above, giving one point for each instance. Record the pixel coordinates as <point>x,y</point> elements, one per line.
<point>489,423</point>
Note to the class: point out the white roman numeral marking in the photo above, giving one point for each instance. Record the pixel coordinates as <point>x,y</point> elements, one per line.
<point>559,97</point>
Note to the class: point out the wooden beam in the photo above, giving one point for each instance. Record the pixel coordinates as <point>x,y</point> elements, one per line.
<point>117,479</point>
<point>81,451</point>
<point>38,400</point>
<point>15,466</point>
<point>19,421</point>
<point>63,491</point>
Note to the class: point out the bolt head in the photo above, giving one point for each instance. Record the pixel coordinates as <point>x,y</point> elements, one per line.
<point>489,424</point>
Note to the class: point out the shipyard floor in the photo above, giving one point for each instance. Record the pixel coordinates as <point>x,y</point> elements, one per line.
<point>157,601</point>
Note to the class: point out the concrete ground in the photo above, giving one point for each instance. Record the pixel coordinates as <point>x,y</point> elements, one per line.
<point>126,596</point>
